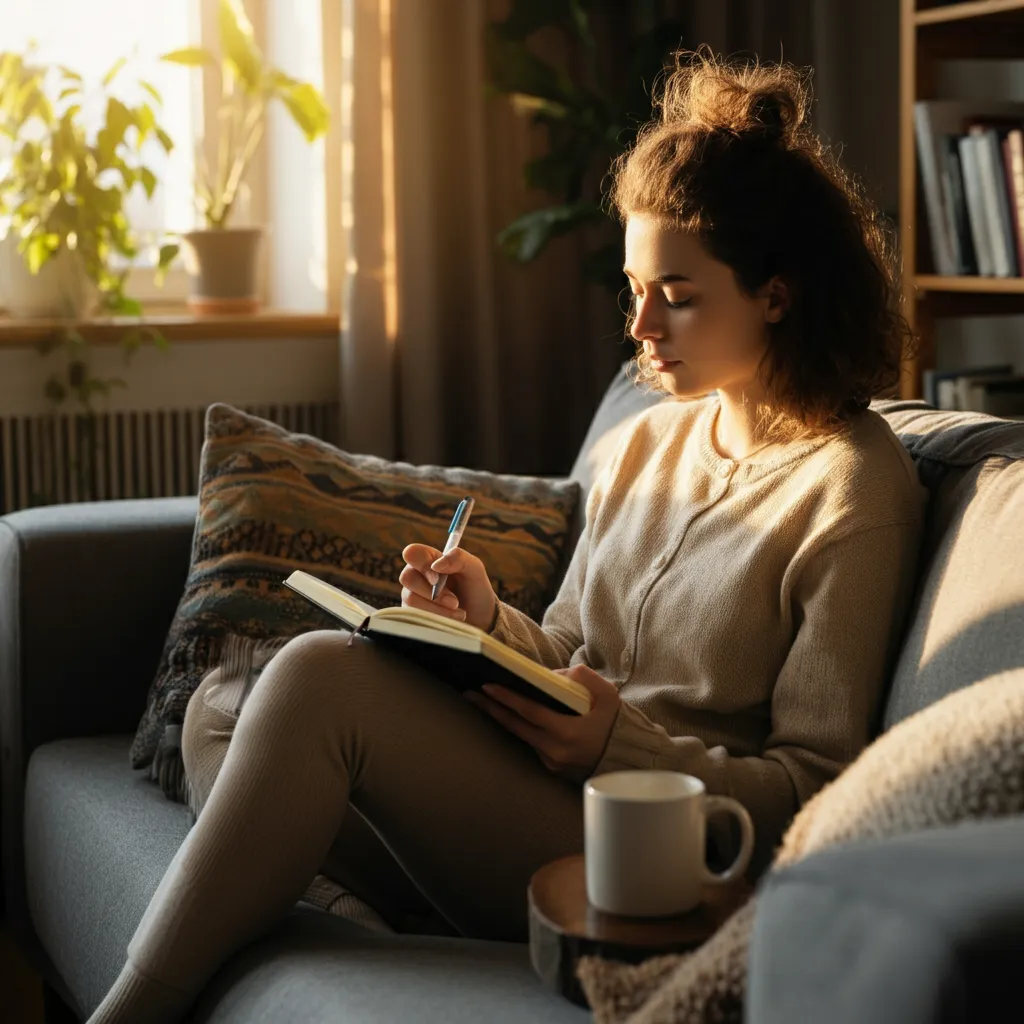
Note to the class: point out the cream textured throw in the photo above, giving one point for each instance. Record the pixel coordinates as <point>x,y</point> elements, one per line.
<point>962,757</point>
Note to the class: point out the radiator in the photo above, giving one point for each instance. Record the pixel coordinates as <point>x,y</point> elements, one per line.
<point>150,453</point>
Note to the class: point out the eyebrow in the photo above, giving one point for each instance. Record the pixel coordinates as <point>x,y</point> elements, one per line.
<point>660,279</point>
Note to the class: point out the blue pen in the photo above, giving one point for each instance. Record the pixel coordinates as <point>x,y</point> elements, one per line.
<point>455,531</point>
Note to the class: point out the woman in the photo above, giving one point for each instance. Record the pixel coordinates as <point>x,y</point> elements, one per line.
<point>732,606</point>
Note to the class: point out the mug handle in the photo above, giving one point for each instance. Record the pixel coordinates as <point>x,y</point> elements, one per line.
<point>739,865</point>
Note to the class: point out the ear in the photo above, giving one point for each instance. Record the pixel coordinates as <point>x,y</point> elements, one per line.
<point>777,296</point>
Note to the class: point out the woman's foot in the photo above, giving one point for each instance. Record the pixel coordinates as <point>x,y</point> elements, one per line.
<point>326,894</point>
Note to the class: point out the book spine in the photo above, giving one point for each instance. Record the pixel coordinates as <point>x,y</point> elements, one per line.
<point>958,204</point>
<point>975,203</point>
<point>1015,177</point>
<point>991,188</point>
<point>926,158</point>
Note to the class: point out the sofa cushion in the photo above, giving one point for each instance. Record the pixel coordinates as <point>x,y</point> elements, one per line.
<point>97,841</point>
<point>967,619</point>
<point>271,502</point>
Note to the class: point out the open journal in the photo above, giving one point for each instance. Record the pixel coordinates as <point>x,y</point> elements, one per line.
<point>460,654</point>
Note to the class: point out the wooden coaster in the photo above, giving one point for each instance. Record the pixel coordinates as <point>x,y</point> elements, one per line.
<point>564,926</point>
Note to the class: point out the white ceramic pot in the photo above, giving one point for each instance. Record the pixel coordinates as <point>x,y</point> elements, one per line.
<point>61,289</point>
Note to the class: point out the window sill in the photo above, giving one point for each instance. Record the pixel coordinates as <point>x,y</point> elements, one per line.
<point>176,326</point>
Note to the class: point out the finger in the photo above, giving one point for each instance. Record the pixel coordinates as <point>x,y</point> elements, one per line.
<point>455,561</point>
<point>411,600</point>
<point>537,714</point>
<point>537,738</point>
<point>419,556</point>
<point>415,582</point>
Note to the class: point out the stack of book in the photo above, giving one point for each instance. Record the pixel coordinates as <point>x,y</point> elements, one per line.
<point>972,174</point>
<point>996,390</point>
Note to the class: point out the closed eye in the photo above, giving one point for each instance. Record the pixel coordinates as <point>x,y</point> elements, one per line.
<point>678,305</point>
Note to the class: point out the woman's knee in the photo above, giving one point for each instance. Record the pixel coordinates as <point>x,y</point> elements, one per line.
<point>307,670</point>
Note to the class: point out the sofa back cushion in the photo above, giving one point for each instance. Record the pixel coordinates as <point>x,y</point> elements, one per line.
<point>967,619</point>
<point>621,404</point>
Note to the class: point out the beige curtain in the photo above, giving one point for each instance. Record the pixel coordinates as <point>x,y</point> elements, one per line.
<point>449,353</point>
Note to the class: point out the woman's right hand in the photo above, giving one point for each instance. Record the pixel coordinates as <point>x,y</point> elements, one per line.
<point>467,596</point>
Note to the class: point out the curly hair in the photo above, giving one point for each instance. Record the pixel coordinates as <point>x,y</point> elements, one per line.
<point>732,159</point>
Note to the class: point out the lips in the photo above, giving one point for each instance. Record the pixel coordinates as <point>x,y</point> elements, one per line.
<point>661,365</point>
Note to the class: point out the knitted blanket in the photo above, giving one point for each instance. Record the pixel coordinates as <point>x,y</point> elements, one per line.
<point>962,757</point>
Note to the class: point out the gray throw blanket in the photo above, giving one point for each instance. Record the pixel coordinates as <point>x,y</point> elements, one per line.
<point>960,758</point>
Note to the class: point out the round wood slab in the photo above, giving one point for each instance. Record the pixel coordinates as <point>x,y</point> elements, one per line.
<point>564,926</point>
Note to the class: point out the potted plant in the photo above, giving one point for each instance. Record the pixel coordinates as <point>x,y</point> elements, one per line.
<point>221,260</point>
<point>68,245</point>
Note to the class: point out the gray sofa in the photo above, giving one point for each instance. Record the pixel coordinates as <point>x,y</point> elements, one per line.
<point>87,593</point>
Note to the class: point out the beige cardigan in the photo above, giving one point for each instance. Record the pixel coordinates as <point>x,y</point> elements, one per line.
<point>748,611</point>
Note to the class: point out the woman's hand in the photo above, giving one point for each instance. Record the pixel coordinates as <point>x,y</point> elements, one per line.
<point>560,740</point>
<point>467,596</point>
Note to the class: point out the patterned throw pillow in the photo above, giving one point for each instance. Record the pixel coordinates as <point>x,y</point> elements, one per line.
<point>271,501</point>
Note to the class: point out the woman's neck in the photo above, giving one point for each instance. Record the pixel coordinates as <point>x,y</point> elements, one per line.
<point>735,431</point>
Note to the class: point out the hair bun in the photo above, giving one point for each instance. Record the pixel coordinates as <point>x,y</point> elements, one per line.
<point>771,115</point>
<point>755,100</point>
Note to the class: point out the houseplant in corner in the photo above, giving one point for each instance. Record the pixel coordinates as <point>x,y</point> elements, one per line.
<point>66,246</point>
<point>221,260</point>
<point>63,188</point>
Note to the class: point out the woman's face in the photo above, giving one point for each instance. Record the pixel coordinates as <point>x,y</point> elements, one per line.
<point>701,331</point>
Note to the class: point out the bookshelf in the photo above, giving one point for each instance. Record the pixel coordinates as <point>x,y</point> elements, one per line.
<point>931,32</point>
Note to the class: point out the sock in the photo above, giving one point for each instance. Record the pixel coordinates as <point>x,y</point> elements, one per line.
<point>326,894</point>
<point>136,999</point>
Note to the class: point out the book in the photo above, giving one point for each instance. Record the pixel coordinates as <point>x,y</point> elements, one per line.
<point>933,119</point>
<point>929,160</point>
<point>996,199</point>
<point>976,205</point>
<point>953,191</point>
<point>1014,144</point>
<point>941,387</point>
<point>460,654</point>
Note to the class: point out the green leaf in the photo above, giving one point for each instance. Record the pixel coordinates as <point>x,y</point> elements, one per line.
<point>71,90</point>
<point>191,57</point>
<point>112,73</point>
<point>525,238</point>
<point>168,254</point>
<point>38,251</point>
<point>165,140</point>
<point>239,44</point>
<point>148,181</point>
<point>68,73</point>
<point>145,119</point>
<point>152,90</point>
<point>307,107</point>
<point>121,305</point>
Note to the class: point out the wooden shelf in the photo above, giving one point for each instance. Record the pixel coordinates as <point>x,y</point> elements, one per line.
<point>966,10</point>
<point>930,33</point>
<point>973,285</point>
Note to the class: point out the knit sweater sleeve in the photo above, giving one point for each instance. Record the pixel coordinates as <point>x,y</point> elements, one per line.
<point>849,599</point>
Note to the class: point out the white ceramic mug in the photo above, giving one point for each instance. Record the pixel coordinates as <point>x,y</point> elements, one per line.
<point>644,841</point>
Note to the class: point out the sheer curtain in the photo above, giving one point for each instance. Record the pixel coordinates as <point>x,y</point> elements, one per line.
<point>449,354</point>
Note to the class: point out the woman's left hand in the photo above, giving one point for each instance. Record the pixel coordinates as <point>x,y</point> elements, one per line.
<point>561,740</point>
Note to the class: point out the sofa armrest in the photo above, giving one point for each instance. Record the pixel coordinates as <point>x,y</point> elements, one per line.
<point>87,593</point>
<point>926,927</point>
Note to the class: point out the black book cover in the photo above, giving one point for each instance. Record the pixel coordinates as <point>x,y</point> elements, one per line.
<point>463,670</point>
<point>951,167</point>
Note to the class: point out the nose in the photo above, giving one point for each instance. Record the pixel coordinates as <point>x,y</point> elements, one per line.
<point>646,322</point>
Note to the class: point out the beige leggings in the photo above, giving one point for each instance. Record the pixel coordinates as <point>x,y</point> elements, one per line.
<point>466,811</point>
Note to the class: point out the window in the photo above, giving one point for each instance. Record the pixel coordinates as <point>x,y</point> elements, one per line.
<point>89,36</point>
